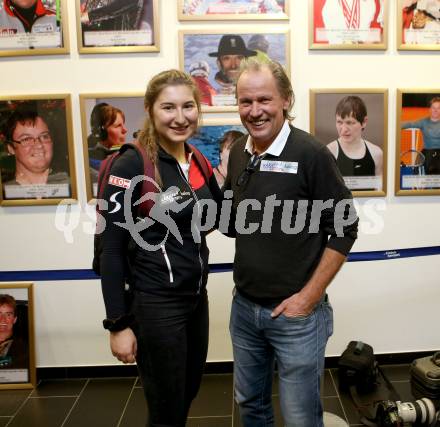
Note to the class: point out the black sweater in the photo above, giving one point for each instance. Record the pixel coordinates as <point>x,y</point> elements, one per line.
<point>273,263</point>
<point>166,266</point>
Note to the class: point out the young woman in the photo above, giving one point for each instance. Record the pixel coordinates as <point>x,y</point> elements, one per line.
<point>165,328</point>
<point>108,132</point>
<point>354,155</point>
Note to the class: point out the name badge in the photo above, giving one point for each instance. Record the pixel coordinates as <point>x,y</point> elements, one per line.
<point>277,166</point>
<point>43,28</point>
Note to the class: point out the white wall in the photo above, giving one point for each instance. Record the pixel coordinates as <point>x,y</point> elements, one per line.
<point>392,305</point>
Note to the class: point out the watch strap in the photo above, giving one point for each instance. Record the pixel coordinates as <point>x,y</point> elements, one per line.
<point>118,324</point>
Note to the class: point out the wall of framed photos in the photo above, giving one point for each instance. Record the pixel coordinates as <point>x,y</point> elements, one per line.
<point>391,304</point>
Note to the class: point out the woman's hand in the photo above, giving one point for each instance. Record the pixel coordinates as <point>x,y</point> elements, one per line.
<point>123,345</point>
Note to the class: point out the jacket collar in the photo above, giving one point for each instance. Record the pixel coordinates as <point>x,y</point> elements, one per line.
<point>40,10</point>
<point>277,146</point>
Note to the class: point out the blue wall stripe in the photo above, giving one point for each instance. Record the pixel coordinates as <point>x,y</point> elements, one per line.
<point>87,274</point>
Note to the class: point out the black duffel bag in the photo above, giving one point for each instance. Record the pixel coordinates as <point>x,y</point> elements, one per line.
<point>357,367</point>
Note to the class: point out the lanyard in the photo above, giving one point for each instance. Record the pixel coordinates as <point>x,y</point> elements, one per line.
<point>351,14</point>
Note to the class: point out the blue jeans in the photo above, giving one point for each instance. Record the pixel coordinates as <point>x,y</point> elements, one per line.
<point>298,346</point>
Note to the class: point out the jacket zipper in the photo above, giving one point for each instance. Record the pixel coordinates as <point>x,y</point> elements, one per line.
<point>167,262</point>
<point>198,209</point>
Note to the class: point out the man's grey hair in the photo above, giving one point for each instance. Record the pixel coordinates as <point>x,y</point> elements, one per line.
<point>282,81</point>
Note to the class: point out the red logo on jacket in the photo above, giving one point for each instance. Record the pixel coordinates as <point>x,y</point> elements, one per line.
<point>119,182</point>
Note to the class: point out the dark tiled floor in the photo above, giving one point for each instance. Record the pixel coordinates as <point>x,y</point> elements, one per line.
<point>119,402</point>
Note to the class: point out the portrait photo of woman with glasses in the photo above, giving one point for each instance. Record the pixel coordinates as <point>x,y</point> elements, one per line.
<point>34,159</point>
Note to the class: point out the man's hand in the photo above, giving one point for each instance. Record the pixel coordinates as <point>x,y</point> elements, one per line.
<point>302,303</point>
<point>123,345</point>
<point>294,306</point>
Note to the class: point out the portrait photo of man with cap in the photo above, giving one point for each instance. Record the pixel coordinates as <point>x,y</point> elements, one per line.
<point>213,60</point>
<point>231,51</point>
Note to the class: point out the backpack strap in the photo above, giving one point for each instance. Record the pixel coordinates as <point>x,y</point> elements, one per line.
<point>148,171</point>
<point>202,162</point>
<point>104,170</point>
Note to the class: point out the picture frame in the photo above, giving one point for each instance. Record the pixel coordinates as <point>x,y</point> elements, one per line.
<point>201,52</point>
<point>215,138</point>
<point>336,25</point>
<point>37,159</point>
<point>119,27</point>
<point>48,34</point>
<point>358,139</point>
<point>17,342</point>
<point>120,111</point>
<point>417,171</point>
<point>418,25</point>
<point>216,10</point>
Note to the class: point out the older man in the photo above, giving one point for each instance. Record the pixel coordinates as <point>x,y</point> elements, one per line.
<point>13,352</point>
<point>231,51</point>
<point>294,225</point>
<point>8,318</point>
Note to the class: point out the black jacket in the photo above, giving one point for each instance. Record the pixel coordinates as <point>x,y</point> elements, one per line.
<point>160,263</point>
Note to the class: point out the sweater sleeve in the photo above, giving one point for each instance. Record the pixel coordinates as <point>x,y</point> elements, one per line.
<point>338,219</point>
<point>418,124</point>
<point>115,238</point>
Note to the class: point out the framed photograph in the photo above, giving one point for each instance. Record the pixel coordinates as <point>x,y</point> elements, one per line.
<point>348,24</point>
<point>17,348</point>
<point>418,142</point>
<point>108,121</point>
<point>37,161</point>
<point>117,26</point>
<point>353,124</point>
<point>418,25</point>
<point>213,59</point>
<point>33,27</point>
<point>215,139</point>
<point>210,10</point>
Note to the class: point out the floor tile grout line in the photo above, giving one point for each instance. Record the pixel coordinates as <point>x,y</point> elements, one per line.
<point>330,397</point>
<point>74,403</point>
<point>126,403</point>
<point>19,408</point>
<point>338,395</point>
<point>209,416</point>
<point>53,397</point>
